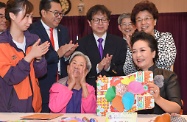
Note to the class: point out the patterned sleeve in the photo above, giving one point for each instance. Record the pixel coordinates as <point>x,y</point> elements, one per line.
<point>166,51</point>
<point>129,66</point>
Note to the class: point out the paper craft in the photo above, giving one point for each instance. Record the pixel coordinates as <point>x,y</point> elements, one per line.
<point>124,93</point>
<point>42,116</point>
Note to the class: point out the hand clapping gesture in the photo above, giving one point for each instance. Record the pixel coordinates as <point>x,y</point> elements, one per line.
<point>67,49</point>
<point>37,50</point>
<point>105,63</point>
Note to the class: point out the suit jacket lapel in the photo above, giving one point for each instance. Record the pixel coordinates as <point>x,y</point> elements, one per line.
<point>43,32</point>
<point>93,47</point>
<point>109,46</point>
<point>59,35</point>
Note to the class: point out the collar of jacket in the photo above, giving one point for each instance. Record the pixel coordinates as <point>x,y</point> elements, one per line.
<point>6,37</point>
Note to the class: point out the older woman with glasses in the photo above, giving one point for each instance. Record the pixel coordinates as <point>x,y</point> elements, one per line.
<point>127,28</point>
<point>72,94</point>
<point>145,15</point>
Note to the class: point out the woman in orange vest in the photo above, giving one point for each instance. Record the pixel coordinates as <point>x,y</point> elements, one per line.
<point>21,61</point>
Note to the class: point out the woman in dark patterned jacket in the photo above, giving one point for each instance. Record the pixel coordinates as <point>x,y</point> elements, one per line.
<point>127,28</point>
<point>145,15</point>
<point>165,89</point>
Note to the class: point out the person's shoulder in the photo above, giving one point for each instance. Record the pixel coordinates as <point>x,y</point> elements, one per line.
<point>60,26</point>
<point>166,73</point>
<point>4,36</point>
<point>166,34</point>
<point>36,26</point>
<point>117,38</point>
<point>63,81</point>
<point>86,38</point>
<point>31,37</point>
<point>28,34</point>
<point>162,34</point>
<point>90,87</point>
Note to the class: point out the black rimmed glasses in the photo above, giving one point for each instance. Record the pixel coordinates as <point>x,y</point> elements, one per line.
<point>97,20</point>
<point>2,16</point>
<point>57,13</point>
<point>126,24</point>
<point>146,19</point>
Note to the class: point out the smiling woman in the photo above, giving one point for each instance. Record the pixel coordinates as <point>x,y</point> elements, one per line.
<point>145,16</point>
<point>21,61</point>
<point>167,94</point>
<point>72,94</point>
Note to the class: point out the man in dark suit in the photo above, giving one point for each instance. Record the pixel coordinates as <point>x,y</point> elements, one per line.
<point>60,49</point>
<point>110,62</point>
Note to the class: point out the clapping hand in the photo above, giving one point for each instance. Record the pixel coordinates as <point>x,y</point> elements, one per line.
<point>105,62</point>
<point>83,74</point>
<point>108,59</point>
<point>71,79</point>
<point>72,49</point>
<point>37,50</point>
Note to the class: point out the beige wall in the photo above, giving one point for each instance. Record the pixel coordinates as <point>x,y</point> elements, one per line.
<point>164,6</point>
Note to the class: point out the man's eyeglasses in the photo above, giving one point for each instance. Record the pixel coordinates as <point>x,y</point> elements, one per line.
<point>2,16</point>
<point>147,19</point>
<point>97,20</point>
<point>126,24</point>
<point>56,13</point>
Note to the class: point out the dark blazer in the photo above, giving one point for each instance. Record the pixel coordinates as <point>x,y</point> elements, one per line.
<point>52,59</point>
<point>114,45</point>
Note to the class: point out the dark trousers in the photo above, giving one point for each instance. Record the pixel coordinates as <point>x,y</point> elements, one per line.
<point>45,108</point>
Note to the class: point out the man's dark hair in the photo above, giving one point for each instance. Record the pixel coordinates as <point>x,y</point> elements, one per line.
<point>46,5</point>
<point>98,8</point>
<point>2,5</point>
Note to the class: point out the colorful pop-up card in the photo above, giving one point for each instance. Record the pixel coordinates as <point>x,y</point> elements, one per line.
<point>124,93</point>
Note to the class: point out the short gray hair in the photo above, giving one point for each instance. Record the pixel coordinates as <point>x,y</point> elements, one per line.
<point>122,16</point>
<point>88,62</point>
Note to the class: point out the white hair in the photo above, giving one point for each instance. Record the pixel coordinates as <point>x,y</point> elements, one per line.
<point>88,62</point>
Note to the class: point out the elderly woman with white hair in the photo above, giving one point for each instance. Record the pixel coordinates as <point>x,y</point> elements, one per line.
<point>72,94</point>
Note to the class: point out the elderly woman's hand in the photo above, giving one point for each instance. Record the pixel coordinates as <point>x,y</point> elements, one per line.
<point>154,90</point>
<point>83,77</point>
<point>72,80</point>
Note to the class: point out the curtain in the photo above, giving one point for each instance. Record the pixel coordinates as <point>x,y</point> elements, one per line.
<point>175,23</point>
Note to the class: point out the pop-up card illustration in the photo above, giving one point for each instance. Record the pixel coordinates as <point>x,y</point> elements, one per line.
<point>124,93</point>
